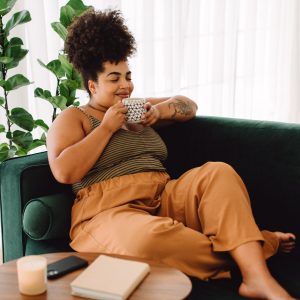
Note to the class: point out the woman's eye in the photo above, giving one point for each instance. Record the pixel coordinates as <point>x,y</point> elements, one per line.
<point>114,80</point>
<point>129,79</point>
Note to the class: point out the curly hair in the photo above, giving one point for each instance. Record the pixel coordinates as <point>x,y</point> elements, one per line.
<point>97,37</point>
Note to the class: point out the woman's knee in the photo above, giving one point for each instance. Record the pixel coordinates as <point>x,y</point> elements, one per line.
<point>219,167</point>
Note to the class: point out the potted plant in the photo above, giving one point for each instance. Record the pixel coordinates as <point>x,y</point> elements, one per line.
<point>67,78</point>
<point>17,130</point>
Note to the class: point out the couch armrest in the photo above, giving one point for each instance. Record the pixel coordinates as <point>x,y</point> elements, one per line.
<point>48,217</point>
<point>22,179</point>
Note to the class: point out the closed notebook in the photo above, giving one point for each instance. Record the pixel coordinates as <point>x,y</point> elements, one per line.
<point>109,278</point>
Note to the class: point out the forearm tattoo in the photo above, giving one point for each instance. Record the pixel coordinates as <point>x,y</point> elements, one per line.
<point>180,108</point>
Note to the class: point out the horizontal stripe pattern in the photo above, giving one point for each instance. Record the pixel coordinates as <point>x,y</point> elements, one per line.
<point>127,152</point>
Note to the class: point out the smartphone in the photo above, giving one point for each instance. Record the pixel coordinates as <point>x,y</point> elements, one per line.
<point>64,266</point>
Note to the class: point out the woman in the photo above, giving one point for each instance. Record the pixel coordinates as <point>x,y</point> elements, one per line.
<point>125,201</point>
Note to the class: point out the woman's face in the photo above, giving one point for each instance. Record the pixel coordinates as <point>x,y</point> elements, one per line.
<point>113,84</point>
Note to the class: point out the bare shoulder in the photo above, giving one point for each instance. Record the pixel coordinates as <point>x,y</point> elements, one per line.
<point>70,113</point>
<point>69,127</point>
<point>70,119</point>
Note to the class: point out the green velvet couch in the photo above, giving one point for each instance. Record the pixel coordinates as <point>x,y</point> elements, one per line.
<point>35,209</point>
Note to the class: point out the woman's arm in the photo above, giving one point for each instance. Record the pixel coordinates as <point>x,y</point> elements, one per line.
<point>72,152</point>
<point>169,109</point>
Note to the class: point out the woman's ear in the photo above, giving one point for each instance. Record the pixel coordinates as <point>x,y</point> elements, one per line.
<point>92,86</point>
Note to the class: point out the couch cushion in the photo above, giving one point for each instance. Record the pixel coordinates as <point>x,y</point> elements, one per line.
<point>39,215</point>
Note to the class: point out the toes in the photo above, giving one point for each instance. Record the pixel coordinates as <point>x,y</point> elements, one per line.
<point>291,236</point>
<point>285,237</point>
<point>287,241</point>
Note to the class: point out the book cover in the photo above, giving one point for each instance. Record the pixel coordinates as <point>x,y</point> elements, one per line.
<point>109,278</point>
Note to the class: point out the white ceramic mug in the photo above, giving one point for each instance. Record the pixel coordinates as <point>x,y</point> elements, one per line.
<point>136,109</point>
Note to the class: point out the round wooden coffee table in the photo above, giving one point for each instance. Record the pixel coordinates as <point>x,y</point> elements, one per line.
<point>162,282</point>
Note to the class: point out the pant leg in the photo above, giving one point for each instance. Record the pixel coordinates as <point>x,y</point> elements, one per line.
<point>212,199</point>
<point>129,231</point>
<point>99,225</point>
<point>104,219</point>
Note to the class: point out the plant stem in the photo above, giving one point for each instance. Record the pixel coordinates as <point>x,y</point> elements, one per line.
<point>4,72</point>
<point>7,118</point>
<point>56,94</point>
<point>1,33</point>
<point>54,114</point>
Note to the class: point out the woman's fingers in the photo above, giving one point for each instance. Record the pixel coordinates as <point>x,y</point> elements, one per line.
<point>150,116</point>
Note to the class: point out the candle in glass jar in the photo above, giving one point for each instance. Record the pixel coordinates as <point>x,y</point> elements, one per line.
<point>32,274</point>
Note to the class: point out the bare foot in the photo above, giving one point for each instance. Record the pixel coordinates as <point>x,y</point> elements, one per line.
<point>287,241</point>
<point>264,286</point>
<point>267,288</point>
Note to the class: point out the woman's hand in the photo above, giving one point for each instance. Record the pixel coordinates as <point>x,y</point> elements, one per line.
<point>114,117</point>
<point>151,116</point>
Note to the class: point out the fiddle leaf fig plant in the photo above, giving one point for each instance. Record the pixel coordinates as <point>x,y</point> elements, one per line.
<point>68,80</point>
<point>16,135</point>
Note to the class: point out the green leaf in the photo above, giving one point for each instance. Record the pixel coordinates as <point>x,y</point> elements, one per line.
<point>42,64</point>
<point>77,77</point>
<point>59,102</point>
<point>78,6</point>
<point>43,137</point>
<point>36,143</point>
<point>66,15</point>
<point>5,60</point>
<point>17,18</point>
<point>16,53</point>
<point>22,118</point>
<point>68,86</point>
<point>56,101</point>
<point>66,65</point>
<point>56,68</point>
<point>9,135</point>
<point>68,89</point>
<point>44,94</point>
<point>4,145</point>
<point>2,128</point>
<point>40,123</point>
<point>4,149</point>
<point>76,103</point>
<point>60,29</point>
<point>15,41</point>
<point>2,100</point>
<point>2,82</point>
<point>22,139</point>
<point>21,152</point>
<point>6,6</point>
<point>15,82</point>
<point>64,90</point>
<point>18,58</point>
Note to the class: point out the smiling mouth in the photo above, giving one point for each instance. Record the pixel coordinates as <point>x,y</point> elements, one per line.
<point>123,96</point>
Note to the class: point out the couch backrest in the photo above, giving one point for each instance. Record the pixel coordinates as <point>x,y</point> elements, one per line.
<point>265,154</point>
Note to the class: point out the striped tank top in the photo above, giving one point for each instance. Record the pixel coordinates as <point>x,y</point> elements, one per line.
<point>127,152</point>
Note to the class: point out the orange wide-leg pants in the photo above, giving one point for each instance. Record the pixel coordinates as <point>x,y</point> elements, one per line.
<point>189,223</point>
